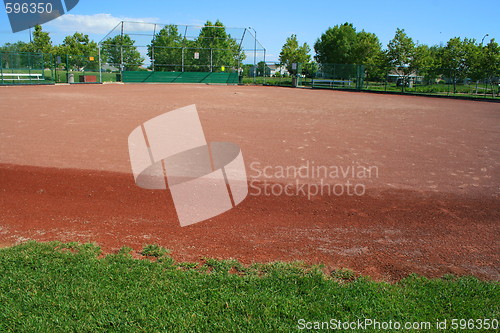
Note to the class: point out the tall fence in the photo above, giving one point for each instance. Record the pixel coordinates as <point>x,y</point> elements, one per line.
<point>440,81</point>
<point>170,59</point>
<point>18,68</point>
<point>25,68</point>
<point>42,68</point>
<point>132,46</point>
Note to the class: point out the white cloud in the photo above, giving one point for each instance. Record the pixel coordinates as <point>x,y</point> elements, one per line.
<point>99,23</point>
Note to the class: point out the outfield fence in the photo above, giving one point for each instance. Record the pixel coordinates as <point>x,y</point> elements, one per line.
<point>42,68</point>
<point>434,81</point>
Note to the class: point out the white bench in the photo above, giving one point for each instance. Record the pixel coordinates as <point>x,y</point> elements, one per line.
<point>330,83</point>
<point>21,77</point>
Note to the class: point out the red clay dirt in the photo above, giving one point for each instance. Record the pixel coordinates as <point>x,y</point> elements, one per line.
<point>431,208</point>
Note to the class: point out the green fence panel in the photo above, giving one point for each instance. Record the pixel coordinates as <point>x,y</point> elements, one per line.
<point>25,68</point>
<point>179,77</point>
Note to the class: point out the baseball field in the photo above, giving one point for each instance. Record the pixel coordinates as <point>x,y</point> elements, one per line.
<point>428,206</point>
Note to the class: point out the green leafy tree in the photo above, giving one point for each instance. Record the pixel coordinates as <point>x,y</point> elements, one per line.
<point>459,57</point>
<point>380,67</point>
<point>10,58</point>
<point>114,48</point>
<point>366,49</point>
<point>343,45</point>
<point>166,49</point>
<point>423,61</point>
<point>336,45</point>
<point>78,49</point>
<point>489,62</point>
<point>262,69</point>
<point>402,55</point>
<point>310,69</point>
<point>216,48</point>
<point>292,52</point>
<point>430,62</point>
<point>246,69</point>
<point>490,58</point>
<point>41,42</point>
<point>13,47</point>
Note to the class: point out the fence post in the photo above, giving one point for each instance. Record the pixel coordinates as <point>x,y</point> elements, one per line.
<point>265,67</point>
<point>52,69</point>
<point>43,68</point>
<point>121,52</point>
<point>100,64</point>
<point>153,49</point>
<point>1,66</point>
<point>67,68</point>
<point>29,67</point>
<point>153,56</point>
<point>449,78</point>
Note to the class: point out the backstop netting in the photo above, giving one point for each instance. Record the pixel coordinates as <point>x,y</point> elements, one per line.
<point>152,52</point>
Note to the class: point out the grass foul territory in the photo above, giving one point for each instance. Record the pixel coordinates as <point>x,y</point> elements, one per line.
<point>56,287</point>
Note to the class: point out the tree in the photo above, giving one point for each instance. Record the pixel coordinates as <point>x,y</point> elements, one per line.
<point>118,48</point>
<point>366,49</point>
<point>489,61</point>
<point>335,46</point>
<point>380,68</point>
<point>343,45</point>
<point>402,55</point>
<point>10,57</point>
<point>310,69</point>
<point>212,50</point>
<point>13,47</point>
<point>78,50</point>
<point>41,42</point>
<point>459,57</point>
<point>166,50</point>
<point>291,53</point>
<point>262,69</point>
<point>217,48</point>
<point>429,62</point>
<point>41,45</point>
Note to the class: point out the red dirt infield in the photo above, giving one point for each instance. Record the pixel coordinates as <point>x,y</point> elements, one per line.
<point>431,208</point>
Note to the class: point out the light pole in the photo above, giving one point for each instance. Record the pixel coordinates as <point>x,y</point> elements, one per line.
<point>254,54</point>
<point>482,40</point>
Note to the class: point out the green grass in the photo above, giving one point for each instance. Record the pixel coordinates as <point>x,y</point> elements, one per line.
<point>55,287</point>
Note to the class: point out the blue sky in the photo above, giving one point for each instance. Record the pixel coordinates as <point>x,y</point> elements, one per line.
<point>427,21</point>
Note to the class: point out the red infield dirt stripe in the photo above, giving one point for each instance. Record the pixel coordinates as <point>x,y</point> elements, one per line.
<point>386,234</point>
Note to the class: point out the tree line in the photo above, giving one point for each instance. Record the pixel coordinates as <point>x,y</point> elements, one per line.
<point>214,48</point>
<point>78,45</point>
<point>342,44</point>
